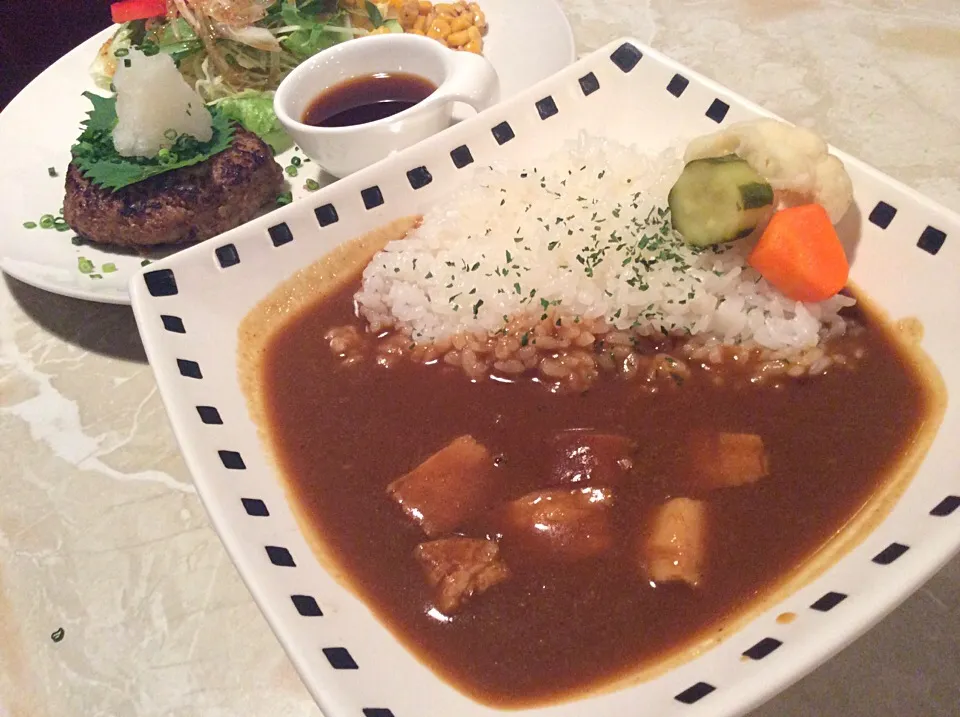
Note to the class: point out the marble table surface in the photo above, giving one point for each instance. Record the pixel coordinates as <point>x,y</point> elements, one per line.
<point>101,532</point>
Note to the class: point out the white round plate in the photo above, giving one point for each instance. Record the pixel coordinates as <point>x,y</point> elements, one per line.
<point>527,41</point>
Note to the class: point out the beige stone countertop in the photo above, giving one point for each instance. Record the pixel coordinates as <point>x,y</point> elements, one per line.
<point>101,532</point>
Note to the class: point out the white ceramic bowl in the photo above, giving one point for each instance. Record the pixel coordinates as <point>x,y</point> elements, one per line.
<point>188,308</point>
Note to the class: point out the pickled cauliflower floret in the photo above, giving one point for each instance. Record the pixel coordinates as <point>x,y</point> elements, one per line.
<point>155,105</point>
<point>794,160</point>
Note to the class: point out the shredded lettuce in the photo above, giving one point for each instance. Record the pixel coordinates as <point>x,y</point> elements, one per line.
<point>254,110</point>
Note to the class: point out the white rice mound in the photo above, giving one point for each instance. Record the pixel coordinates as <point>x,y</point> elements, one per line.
<point>584,233</point>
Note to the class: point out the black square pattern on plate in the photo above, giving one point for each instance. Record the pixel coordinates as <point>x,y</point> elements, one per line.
<point>306,606</point>
<point>589,84</point>
<point>280,556</point>
<point>677,85</point>
<point>161,282</point>
<point>829,601</point>
<point>503,132</point>
<point>763,648</point>
<point>546,107</point>
<point>228,255</point>
<point>173,324</point>
<point>190,369</point>
<point>280,234</point>
<point>340,658</point>
<point>326,215</point>
<point>419,177</point>
<point>882,215</point>
<point>890,553</point>
<point>210,415</point>
<point>931,240</point>
<point>232,460</point>
<point>255,507</point>
<point>946,506</point>
<point>694,694</point>
<point>718,110</point>
<point>377,712</point>
<point>626,57</point>
<point>372,197</point>
<point>461,156</point>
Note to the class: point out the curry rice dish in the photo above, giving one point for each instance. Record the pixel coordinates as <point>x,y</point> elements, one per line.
<point>552,508</point>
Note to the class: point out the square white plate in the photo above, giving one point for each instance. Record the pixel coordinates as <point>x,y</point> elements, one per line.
<point>188,308</point>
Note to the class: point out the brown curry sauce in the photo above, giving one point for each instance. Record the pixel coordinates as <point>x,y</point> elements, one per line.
<point>342,434</point>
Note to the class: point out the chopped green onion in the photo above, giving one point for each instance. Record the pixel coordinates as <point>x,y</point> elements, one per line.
<point>311,185</point>
<point>291,170</point>
<point>96,276</point>
<point>284,198</point>
<point>84,265</point>
<point>46,221</point>
<point>29,225</point>
<point>52,171</point>
<point>170,133</point>
<point>295,161</point>
<point>76,241</point>
<point>108,268</point>
<point>145,262</point>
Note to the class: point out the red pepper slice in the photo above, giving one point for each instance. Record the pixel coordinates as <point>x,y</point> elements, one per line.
<point>129,10</point>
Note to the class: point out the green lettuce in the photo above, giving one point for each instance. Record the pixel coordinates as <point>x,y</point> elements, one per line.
<point>311,36</point>
<point>254,110</point>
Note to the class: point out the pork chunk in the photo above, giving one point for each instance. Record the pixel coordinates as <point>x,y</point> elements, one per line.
<point>458,568</point>
<point>723,460</point>
<point>448,488</point>
<point>674,547</point>
<point>588,457</point>
<point>561,524</point>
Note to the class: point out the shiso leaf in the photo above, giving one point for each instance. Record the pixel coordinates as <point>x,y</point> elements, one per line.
<point>97,159</point>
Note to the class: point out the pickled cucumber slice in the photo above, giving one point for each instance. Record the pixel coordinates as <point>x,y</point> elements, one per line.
<point>719,199</point>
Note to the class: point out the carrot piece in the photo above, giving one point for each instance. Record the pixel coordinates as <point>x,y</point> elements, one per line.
<point>801,255</point>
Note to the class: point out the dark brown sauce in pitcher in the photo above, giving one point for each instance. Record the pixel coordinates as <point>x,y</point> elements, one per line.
<point>368,98</point>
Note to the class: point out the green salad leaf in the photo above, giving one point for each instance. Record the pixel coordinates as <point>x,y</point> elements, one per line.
<point>178,40</point>
<point>254,110</point>
<point>97,159</point>
<point>311,36</point>
<point>373,12</point>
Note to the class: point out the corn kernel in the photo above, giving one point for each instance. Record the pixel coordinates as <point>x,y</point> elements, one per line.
<point>461,23</point>
<point>457,39</point>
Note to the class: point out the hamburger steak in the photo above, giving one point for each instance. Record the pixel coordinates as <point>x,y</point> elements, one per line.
<point>184,205</point>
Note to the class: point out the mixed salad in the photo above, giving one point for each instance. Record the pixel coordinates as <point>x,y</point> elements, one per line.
<point>234,53</point>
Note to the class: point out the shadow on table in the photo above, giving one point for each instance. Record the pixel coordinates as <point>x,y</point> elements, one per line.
<point>107,329</point>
